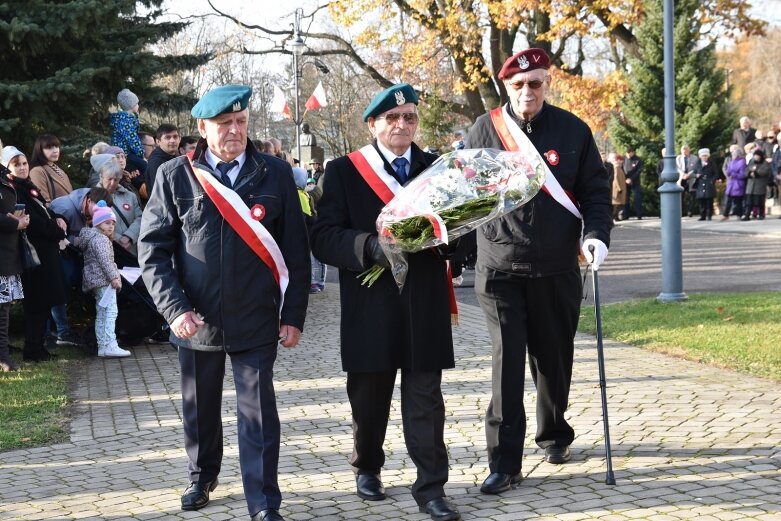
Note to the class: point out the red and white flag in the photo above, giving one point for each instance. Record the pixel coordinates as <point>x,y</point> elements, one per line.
<point>317,100</point>
<point>279,103</point>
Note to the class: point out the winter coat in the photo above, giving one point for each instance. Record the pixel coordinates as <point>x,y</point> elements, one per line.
<point>736,178</point>
<point>128,211</point>
<point>71,208</point>
<point>10,261</point>
<point>50,182</point>
<point>44,286</point>
<point>99,266</point>
<point>382,329</point>
<point>706,175</point>
<point>619,187</point>
<point>124,132</point>
<point>192,259</point>
<point>542,237</point>
<point>758,175</point>
<point>156,158</point>
<point>741,137</point>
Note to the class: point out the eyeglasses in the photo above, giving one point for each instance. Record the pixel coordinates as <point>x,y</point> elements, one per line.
<point>533,84</point>
<point>410,118</point>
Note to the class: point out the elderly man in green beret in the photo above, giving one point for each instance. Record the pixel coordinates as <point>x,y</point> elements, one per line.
<point>383,330</point>
<point>224,253</point>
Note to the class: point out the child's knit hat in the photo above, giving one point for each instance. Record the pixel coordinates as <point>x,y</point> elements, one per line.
<point>102,213</point>
<point>126,99</point>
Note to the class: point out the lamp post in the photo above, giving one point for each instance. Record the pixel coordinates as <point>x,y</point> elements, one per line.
<point>297,47</point>
<point>672,269</point>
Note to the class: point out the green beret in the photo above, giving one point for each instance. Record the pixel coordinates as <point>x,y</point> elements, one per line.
<point>228,98</point>
<point>390,98</point>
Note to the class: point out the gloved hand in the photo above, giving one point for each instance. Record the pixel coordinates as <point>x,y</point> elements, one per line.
<point>374,252</point>
<point>600,252</point>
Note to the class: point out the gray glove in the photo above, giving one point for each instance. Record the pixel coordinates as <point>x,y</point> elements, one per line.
<point>374,252</point>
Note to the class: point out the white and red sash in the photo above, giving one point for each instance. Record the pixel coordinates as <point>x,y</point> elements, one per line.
<point>371,167</point>
<point>515,140</point>
<point>233,209</point>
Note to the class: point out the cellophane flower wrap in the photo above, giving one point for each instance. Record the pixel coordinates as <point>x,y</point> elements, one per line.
<point>460,191</point>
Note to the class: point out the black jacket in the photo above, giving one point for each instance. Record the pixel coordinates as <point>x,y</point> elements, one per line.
<point>542,238</point>
<point>10,262</point>
<point>44,286</point>
<point>381,328</point>
<point>706,179</point>
<point>156,158</point>
<point>191,259</point>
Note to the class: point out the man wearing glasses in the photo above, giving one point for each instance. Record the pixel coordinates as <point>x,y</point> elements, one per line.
<point>527,276</point>
<point>383,330</point>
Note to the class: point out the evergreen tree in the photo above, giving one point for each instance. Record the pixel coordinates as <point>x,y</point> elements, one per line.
<point>703,115</point>
<point>64,61</point>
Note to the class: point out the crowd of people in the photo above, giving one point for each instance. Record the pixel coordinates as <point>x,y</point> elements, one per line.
<point>743,183</point>
<point>44,212</point>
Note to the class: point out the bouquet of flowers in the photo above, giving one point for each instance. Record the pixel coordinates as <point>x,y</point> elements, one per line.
<point>460,191</point>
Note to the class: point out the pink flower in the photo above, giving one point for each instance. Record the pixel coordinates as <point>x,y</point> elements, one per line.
<point>469,173</point>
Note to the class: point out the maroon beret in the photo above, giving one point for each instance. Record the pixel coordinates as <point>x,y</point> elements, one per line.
<point>525,61</point>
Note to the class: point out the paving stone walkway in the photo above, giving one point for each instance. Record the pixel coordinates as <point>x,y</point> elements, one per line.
<point>689,441</point>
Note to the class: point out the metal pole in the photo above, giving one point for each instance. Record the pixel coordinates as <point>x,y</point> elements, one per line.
<point>297,118</point>
<point>670,192</point>
<point>610,478</point>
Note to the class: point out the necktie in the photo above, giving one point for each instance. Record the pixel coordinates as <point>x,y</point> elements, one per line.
<point>224,168</point>
<point>400,164</point>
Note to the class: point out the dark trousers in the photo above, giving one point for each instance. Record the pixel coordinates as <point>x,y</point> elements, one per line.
<point>636,194</point>
<point>755,201</point>
<point>35,322</point>
<point>258,421</point>
<point>706,207</point>
<point>735,202</point>
<point>539,315</point>
<point>691,206</point>
<point>423,417</point>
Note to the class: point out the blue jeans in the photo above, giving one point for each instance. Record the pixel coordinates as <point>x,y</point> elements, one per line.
<point>105,317</point>
<point>72,272</point>
<point>318,272</point>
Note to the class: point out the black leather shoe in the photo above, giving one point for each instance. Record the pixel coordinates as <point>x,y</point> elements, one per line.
<point>557,455</point>
<point>369,487</point>
<point>498,482</point>
<point>270,514</point>
<point>196,496</point>
<point>440,509</point>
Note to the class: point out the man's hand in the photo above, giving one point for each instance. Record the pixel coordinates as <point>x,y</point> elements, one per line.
<point>125,242</point>
<point>62,224</point>
<point>187,324</point>
<point>289,336</point>
<point>599,255</point>
<point>374,252</point>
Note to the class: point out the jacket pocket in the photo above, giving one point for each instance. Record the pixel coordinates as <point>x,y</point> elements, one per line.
<point>191,214</point>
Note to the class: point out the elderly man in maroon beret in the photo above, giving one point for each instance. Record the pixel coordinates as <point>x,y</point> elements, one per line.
<point>528,280</point>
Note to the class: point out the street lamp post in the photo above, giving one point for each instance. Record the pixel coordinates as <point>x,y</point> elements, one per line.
<point>672,268</point>
<point>297,47</point>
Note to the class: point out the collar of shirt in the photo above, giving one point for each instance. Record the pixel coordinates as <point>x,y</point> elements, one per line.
<point>390,156</point>
<point>233,173</point>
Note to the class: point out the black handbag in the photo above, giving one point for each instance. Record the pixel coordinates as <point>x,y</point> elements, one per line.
<point>30,258</point>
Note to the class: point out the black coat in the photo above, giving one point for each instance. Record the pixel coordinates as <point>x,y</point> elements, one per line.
<point>706,180</point>
<point>44,286</point>
<point>156,159</point>
<point>381,329</point>
<point>10,262</point>
<point>191,258</point>
<point>542,238</point>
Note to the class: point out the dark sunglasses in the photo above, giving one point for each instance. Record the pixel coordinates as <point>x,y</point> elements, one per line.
<point>410,118</point>
<point>534,84</point>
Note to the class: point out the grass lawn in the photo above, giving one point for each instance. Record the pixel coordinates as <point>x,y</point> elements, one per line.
<point>740,331</point>
<point>33,401</point>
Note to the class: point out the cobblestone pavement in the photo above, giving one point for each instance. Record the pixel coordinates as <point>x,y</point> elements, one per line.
<point>689,441</point>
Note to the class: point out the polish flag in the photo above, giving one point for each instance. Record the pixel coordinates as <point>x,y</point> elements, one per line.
<point>317,99</point>
<point>279,103</point>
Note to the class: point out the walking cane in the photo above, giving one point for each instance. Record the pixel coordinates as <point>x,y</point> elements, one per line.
<point>609,477</point>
